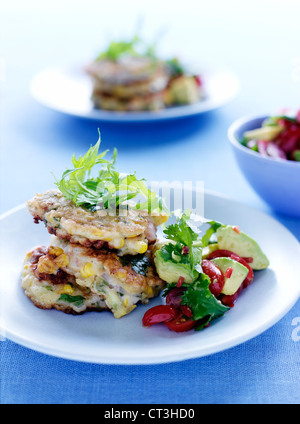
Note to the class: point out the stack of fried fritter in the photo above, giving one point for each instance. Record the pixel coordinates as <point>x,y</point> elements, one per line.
<point>96,260</point>
<point>132,83</point>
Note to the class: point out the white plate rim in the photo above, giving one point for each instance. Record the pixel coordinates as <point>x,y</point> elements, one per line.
<point>176,112</point>
<point>174,357</point>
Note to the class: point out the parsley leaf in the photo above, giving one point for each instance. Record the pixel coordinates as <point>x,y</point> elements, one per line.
<point>181,232</point>
<point>185,250</point>
<point>202,302</point>
<point>214,225</point>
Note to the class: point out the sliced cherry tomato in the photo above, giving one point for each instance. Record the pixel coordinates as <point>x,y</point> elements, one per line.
<point>216,276</point>
<point>249,260</point>
<point>229,300</point>
<point>227,253</point>
<point>157,314</point>
<point>173,298</point>
<point>180,324</point>
<point>220,253</point>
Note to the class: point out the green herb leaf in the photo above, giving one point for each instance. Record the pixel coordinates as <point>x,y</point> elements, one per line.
<point>181,232</point>
<point>139,263</point>
<point>109,189</point>
<point>297,155</point>
<point>214,225</point>
<point>77,300</point>
<point>201,301</point>
<point>183,236</point>
<point>176,68</point>
<point>134,47</point>
<point>244,141</point>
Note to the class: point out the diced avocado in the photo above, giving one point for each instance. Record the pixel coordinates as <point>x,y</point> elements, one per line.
<point>209,249</point>
<point>239,273</point>
<point>266,133</point>
<point>243,245</point>
<point>182,90</point>
<point>171,271</point>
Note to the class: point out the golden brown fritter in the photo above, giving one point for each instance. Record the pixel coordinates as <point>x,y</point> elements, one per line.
<point>129,232</point>
<point>121,281</point>
<point>57,291</point>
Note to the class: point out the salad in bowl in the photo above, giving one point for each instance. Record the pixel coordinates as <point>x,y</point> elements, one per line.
<point>277,138</point>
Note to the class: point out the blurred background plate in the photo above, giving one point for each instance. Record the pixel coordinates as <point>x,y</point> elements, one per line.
<point>68,90</point>
<point>100,338</point>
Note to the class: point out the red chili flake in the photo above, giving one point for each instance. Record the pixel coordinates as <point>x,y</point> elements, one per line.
<point>180,282</point>
<point>185,250</point>
<point>228,272</point>
<point>236,229</point>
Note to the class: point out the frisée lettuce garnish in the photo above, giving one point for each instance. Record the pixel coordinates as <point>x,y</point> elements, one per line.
<point>109,189</point>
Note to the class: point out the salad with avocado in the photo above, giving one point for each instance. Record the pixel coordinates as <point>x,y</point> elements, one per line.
<point>204,274</point>
<point>277,138</point>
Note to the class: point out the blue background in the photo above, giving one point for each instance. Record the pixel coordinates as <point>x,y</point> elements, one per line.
<point>258,40</point>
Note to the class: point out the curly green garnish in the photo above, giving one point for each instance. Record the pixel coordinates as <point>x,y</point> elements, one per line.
<point>109,189</point>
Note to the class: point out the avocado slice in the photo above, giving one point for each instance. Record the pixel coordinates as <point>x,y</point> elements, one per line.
<point>243,245</point>
<point>170,270</point>
<point>237,277</point>
<point>266,133</point>
<point>209,249</point>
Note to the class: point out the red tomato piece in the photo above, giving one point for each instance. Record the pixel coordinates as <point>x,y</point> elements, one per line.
<point>227,253</point>
<point>228,272</point>
<point>248,280</point>
<point>158,314</point>
<point>198,80</point>
<point>216,276</point>
<point>220,253</point>
<point>186,310</point>
<point>236,228</point>
<point>249,260</point>
<point>229,300</point>
<point>180,324</point>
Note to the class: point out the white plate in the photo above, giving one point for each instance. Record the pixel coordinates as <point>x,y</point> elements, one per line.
<point>68,90</point>
<point>100,338</point>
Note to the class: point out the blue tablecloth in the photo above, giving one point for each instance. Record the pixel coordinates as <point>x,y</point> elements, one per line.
<point>36,141</point>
